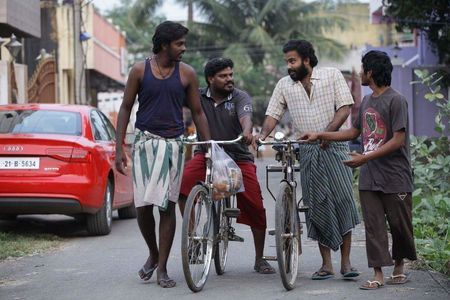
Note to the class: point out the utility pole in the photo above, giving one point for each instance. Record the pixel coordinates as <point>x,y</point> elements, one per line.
<point>190,6</point>
<point>79,78</point>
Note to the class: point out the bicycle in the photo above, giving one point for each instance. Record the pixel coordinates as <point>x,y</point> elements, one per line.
<point>288,228</point>
<point>207,226</point>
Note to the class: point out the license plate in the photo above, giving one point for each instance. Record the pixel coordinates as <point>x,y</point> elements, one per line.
<point>19,163</point>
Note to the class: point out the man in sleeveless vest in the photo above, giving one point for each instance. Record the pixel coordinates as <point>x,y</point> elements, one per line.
<point>162,84</point>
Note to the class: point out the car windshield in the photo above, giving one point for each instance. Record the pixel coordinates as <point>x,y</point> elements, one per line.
<point>40,121</point>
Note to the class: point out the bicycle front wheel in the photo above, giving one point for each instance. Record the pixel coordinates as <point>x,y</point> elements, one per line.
<point>286,235</point>
<point>197,237</point>
<point>222,223</point>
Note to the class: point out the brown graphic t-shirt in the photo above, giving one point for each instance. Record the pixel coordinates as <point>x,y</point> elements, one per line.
<point>378,119</point>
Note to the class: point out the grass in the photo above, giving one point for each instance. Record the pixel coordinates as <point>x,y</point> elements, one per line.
<point>23,244</point>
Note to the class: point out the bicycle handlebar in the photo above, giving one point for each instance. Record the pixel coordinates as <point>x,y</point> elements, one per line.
<point>187,142</point>
<point>283,142</point>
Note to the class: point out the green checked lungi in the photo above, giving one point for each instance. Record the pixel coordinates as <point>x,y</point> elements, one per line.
<point>327,190</point>
<point>157,169</point>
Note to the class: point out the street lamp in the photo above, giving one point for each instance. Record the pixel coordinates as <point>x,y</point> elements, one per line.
<point>13,46</point>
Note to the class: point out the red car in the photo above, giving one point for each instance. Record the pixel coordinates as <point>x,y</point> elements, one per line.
<point>59,159</point>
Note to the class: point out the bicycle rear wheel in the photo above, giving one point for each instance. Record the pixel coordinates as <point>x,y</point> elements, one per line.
<point>286,235</point>
<point>222,224</point>
<point>197,238</point>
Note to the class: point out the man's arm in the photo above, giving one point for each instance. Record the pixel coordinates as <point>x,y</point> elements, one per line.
<point>123,118</point>
<point>193,101</point>
<point>247,126</point>
<point>275,110</point>
<point>397,141</point>
<point>268,126</point>
<point>344,135</point>
<point>339,118</point>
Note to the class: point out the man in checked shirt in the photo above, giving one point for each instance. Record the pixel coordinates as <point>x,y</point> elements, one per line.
<point>318,99</point>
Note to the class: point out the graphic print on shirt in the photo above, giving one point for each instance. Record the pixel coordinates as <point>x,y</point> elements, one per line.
<point>374,130</point>
<point>230,107</point>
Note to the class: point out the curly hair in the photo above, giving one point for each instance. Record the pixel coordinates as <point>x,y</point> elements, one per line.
<point>380,64</point>
<point>304,49</point>
<point>215,65</point>
<point>167,32</point>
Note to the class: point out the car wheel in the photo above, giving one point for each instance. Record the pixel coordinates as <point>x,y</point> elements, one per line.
<point>100,223</point>
<point>128,212</point>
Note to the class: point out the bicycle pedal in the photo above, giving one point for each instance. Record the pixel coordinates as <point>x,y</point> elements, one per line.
<point>232,212</point>
<point>235,238</point>
<point>303,208</point>
<point>274,258</point>
<point>271,231</point>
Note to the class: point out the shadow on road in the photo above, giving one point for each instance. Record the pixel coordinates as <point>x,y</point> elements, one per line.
<point>60,225</point>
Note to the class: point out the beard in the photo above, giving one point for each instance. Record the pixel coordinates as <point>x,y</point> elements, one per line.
<point>226,89</point>
<point>176,56</point>
<point>299,73</point>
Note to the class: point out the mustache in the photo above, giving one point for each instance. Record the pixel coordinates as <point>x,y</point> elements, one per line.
<point>228,82</point>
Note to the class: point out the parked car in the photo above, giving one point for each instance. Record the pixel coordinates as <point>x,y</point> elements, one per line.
<point>59,159</point>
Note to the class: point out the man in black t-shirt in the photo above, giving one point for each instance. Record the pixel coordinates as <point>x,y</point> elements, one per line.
<point>229,112</point>
<point>385,181</point>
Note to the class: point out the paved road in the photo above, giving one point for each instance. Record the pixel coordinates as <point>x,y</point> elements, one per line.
<point>106,268</point>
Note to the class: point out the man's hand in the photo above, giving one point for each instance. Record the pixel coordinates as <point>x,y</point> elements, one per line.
<point>121,162</point>
<point>247,138</point>
<point>356,160</point>
<point>309,137</point>
<point>256,139</point>
<point>324,144</point>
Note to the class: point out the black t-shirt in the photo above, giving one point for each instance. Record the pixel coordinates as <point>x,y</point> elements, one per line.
<point>378,119</point>
<point>223,120</point>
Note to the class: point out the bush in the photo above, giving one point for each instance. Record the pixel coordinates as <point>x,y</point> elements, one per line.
<point>431,198</point>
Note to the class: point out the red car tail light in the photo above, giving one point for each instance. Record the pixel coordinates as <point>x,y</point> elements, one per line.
<point>69,154</point>
<point>60,153</point>
<point>80,155</point>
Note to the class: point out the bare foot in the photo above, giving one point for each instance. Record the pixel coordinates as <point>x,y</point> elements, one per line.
<point>165,281</point>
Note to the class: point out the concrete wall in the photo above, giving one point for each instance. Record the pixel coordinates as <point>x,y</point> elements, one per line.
<point>20,17</point>
<point>106,47</point>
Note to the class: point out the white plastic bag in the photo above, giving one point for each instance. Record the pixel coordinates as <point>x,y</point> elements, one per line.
<point>227,176</point>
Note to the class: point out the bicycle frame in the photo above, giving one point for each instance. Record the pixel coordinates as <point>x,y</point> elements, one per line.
<point>287,160</point>
<point>208,183</point>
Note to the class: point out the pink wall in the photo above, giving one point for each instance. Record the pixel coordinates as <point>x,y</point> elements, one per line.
<point>106,62</point>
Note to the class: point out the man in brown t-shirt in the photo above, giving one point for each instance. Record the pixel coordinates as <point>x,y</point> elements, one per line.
<point>385,181</point>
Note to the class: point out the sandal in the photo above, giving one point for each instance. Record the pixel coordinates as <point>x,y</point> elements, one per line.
<point>350,274</point>
<point>371,285</point>
<point>263,267</point>
<point>146,274</point>
<point>398,279</point>
<point>322,274</point>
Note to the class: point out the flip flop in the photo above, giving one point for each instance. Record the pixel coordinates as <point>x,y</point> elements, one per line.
<point>263,267</point>
<point>321,275</point>
<point>371,285</point>
<point>351,274</point>
<point>147,274</point>
<point>398,279</point>
<point>166,283</point>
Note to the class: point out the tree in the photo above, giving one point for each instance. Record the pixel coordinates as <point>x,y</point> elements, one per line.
<point>432,17</point>
<point>258,29</point>
<point>137,18</point>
